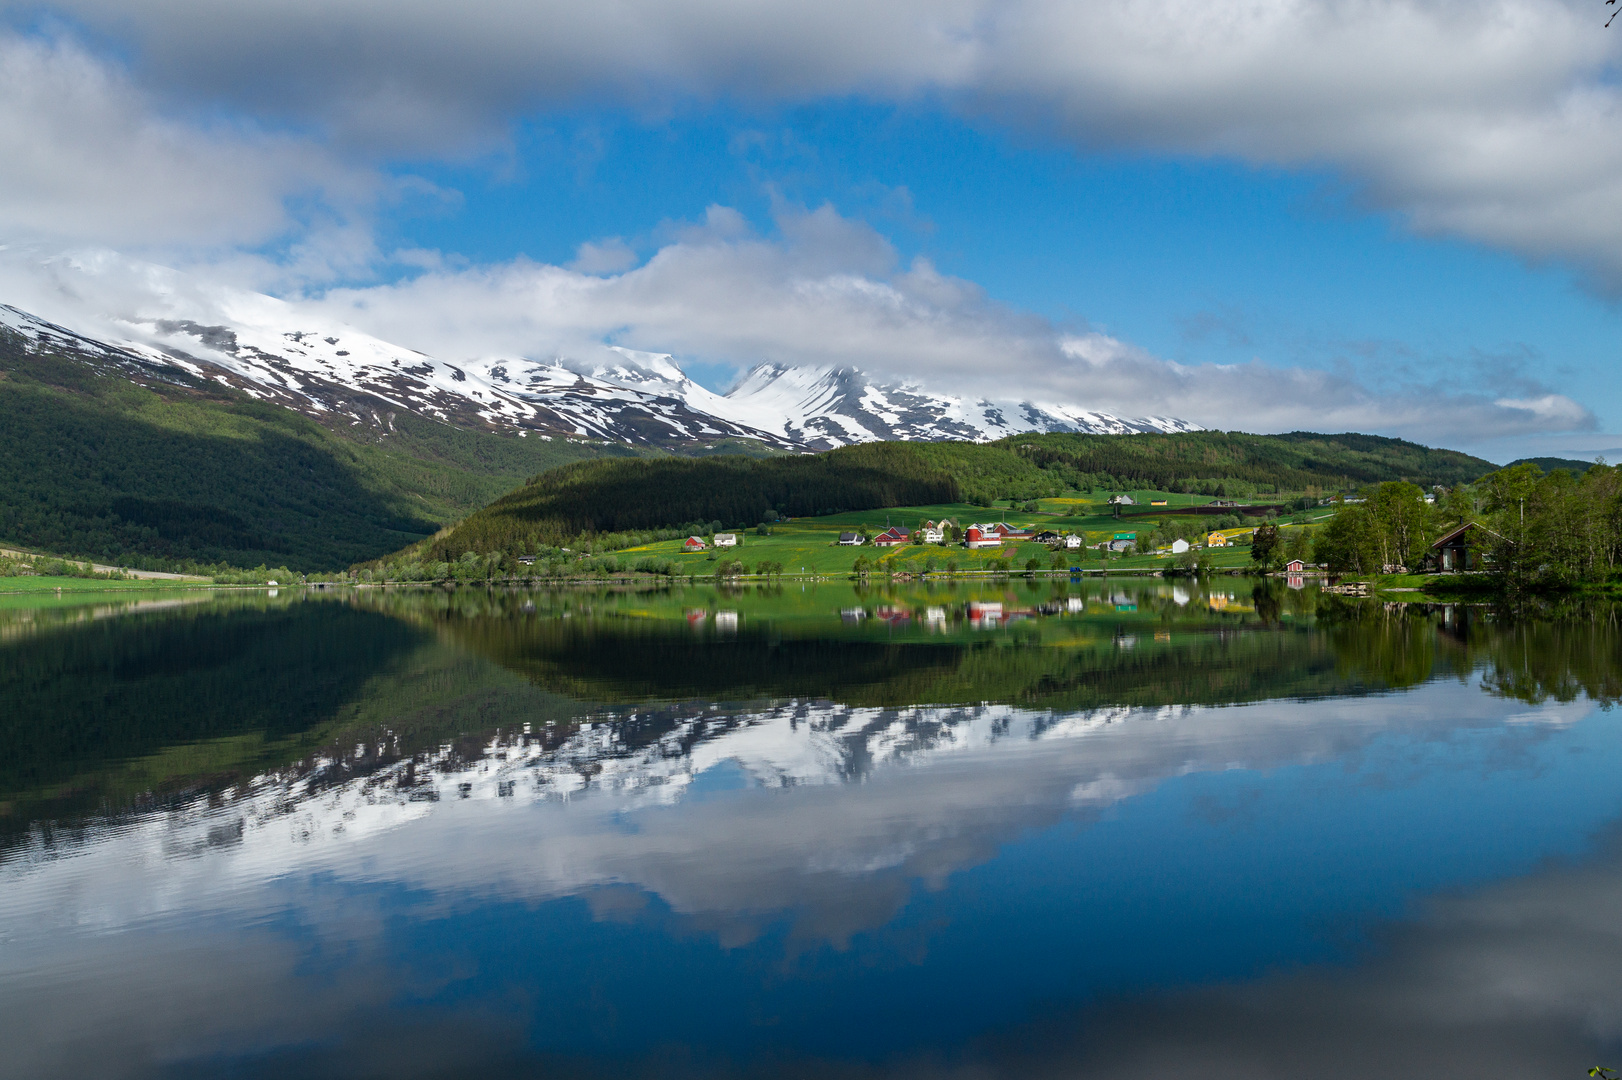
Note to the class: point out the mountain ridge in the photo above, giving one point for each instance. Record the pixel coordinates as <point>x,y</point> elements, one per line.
<point>272,351</point>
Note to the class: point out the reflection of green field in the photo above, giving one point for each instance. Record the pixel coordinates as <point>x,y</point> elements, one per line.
<point>32,584</point>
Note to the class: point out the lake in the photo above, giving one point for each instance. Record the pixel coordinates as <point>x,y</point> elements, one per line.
<point>1100,828</point>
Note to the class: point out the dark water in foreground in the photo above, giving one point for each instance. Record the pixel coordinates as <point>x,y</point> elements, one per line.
<point>1095,830</point>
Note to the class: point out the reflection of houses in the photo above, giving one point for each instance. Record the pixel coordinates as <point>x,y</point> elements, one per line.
<point>726,540</point>
<point>984,615</point>
<point>694,543</point>
<point>892,537</point>
<point>850,539</point>
<point>1463,548</point>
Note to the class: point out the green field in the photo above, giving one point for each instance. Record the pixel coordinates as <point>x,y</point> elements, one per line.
<point>809,545</point>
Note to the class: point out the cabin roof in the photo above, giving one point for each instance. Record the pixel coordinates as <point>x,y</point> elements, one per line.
<point>1447,538</point>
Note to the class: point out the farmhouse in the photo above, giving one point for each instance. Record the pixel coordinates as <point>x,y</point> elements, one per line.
<point>726,540</point>
<point>1157,502</point>
<point>1122,500</point>
<point>850,539</point>
<point>1216,539</point>
<point>694,543</point>
<point>933,532</point>
<point>892,537</point>
<point>1048,537</point>
<point>1179,546</point>
<point>1072,541</point>
<point>1012,532</point>
<point>982,536</point>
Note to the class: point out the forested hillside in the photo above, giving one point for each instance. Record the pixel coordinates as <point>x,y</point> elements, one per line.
<point>618,496</point>
<point>1294,462</point>
<point>93,464</point>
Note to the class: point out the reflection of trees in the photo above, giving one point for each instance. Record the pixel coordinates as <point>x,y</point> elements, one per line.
<point>1536,661</point>
<point>1385,647</point>
<point>147,704</point>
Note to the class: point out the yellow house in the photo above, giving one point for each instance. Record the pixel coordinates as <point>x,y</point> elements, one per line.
<point>1216,539</point>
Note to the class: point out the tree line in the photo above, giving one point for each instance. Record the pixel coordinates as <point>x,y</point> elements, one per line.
<point>1539,531</point>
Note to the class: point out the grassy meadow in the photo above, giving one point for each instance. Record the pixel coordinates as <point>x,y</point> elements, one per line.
<point>809,545</point>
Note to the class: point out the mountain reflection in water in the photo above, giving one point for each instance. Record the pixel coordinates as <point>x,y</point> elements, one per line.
<point>1094,829</point>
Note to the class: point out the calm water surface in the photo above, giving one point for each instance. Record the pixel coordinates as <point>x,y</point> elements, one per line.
<point>1091,829</point>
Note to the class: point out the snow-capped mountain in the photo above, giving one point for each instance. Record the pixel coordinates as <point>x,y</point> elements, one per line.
<point>827,407</point>
<point>274,351</point>
<point>331,371</point>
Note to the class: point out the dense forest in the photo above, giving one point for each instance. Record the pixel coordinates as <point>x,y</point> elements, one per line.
<point>573,503</point>
<point>180,472</point>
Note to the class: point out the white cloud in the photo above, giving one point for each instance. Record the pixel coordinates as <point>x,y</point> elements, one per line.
<point>85,157</point>
<point>1495,121</point>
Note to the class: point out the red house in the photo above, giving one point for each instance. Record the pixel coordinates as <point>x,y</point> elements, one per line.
<point>694,543</point>
<point>892,537</point>
<point>978,536</point>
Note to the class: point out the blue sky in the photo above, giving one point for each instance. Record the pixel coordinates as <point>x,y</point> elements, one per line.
<point>1404,217</point>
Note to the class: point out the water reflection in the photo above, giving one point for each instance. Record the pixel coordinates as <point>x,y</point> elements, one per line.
<point>437,833</point>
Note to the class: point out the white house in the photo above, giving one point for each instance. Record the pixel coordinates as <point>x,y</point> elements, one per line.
<point>726,540</point>
<point>934,532</point>
<point>850,539</point>
<point>1072,541</point>
<point>1179,546</point>
<point>1122,500</point>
